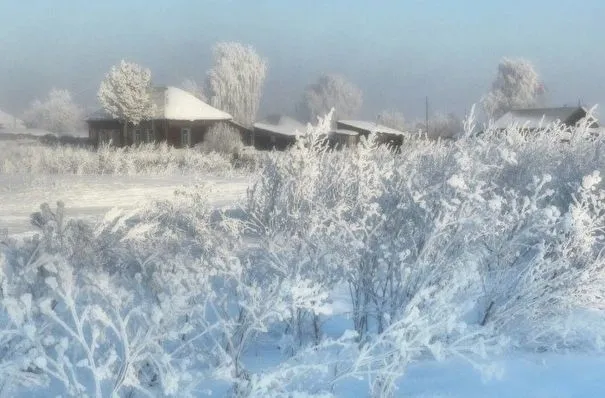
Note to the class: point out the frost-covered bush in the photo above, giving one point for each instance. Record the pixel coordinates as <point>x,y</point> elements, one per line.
<point>460,248</point>
<point>222,138</point>
<point>369,220</point>
<point>154,301</point>
<point>478,228</point>
<point>146,159</point>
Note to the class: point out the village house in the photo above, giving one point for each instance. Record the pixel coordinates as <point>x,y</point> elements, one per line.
<point>358,128</point>
<point>534,119</point>
<point>181,119</point>
<point>276,132</point>
<point>280,132</point>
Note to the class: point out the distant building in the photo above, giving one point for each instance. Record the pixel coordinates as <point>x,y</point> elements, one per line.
<point>276,132</point>
<point>10,122</point>
<point>533,119</point>
<point>181,119</point>
<point>343,138</point>
<point>385,135</point>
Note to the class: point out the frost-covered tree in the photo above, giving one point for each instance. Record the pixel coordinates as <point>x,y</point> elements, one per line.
<point>126,94</point>
<point>330,91</point>
<point>392,119</point>
<point>517,85</point>
<point>193,87</point>
<point>235,82</point>
<point>441,125</point>
<point>57,113</point>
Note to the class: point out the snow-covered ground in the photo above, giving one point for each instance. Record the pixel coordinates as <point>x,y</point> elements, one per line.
<point>89,197</point>
<point>529,376</point>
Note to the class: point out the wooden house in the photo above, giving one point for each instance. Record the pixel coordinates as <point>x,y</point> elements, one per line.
<point>534,119</point>
<point>180,119</point>
<point>276,132</point>
<point>385,135</point>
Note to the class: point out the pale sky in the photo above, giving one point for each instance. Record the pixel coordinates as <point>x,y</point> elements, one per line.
<point>397,52</point>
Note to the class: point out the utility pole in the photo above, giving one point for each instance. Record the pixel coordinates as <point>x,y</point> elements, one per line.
<point>426,115</point>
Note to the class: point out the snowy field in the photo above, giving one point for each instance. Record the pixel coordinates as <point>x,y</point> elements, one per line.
<point>90,197</point>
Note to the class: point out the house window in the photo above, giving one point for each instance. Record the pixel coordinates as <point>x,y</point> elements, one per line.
<point>185,137</point>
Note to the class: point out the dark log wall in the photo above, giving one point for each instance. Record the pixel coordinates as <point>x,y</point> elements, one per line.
<point>267,140</point>
<point>164,130</point>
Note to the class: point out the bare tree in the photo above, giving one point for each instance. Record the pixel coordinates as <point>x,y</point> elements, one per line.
<point>234,84</point>
<point>126,94</point>
<point>194,88</point>
<point>330,91</point>
<point>57,113</point>
<point>517,85</point>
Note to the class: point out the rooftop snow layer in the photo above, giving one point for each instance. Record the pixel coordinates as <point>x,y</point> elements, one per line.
<point>175,104</point>
<point>178,104</point>
<point>344,132</point>
<point>280,124</point>
<point>370,127</point>
<point>533,118</point>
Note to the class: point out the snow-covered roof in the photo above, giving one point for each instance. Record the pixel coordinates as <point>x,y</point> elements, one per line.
<point>280,124</point>
<point>175,104</point>
<point>344,132</point>
<point>370,127</point>
<point>8,121</point>
<point>533,118</point>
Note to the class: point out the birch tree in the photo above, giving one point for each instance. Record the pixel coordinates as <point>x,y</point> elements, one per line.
<point>235,82</point>
<point>126,94</point>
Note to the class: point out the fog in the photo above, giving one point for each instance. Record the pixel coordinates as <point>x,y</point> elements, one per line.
<point>397,52</point>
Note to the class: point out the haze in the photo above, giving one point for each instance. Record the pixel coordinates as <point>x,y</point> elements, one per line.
<point>397,52</point>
